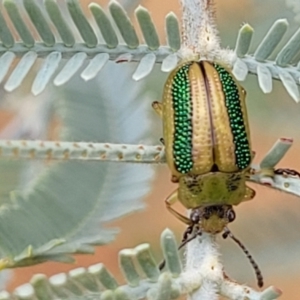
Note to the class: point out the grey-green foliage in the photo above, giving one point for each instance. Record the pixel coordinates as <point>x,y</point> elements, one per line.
<point>284,67</point>
<point>64,210</point>
<point>143,279</point>
<point>115,29</point>
<point>9,177</point>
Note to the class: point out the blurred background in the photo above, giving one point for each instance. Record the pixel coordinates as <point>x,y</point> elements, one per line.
<point>268,225</point>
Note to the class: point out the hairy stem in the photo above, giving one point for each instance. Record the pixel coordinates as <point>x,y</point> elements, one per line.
<point>202,255</point>
<point>199,31</point>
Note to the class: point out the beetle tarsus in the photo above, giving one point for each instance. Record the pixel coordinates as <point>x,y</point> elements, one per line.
<point>287,172</point>
<point>187,232</point>
<point>157,106</point>
<point>162,265</point>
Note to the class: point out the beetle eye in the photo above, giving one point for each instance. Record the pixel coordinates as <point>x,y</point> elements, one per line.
<point>207,213</point>
<point>231,215</point>
<point>195,216</point>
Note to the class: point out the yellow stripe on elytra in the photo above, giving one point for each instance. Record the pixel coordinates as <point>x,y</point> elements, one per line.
<point>201,125</point>
<point>224,147</point>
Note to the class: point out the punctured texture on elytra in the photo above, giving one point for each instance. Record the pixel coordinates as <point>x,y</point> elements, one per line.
<point>182,147</point>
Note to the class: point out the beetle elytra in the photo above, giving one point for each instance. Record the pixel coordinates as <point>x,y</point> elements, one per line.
<point>207,140</point>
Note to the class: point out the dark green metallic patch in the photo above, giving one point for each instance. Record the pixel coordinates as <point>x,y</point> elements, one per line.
<point>182,145</point>
<point>236,118</point>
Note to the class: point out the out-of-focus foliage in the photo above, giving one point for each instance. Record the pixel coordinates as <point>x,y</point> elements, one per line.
<point>65,208</point>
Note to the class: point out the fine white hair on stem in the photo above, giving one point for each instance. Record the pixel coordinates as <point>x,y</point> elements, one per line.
<point>200,36</point>
<point>205,279</point>
<point>206,260</point>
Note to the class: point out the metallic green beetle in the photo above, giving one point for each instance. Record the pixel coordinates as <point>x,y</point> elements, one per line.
<point>207,141</point>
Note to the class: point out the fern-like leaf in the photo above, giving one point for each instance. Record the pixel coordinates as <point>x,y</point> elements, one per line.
<point>71,201</point>
<point>111,46</point>
<point>283,68</point>
<point>52,49</point>
<point>84,283</point>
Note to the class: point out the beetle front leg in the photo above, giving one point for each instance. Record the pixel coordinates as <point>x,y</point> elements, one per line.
<point>157,106</point>
<point>171,200</point>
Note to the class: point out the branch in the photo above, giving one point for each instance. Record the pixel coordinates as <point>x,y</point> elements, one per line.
<point>81,151</point>
<point>204,270</point>
<point>264,173</point>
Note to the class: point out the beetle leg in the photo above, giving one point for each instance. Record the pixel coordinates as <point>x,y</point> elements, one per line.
<point>157,106</point>
<point>287,172</point>
<point>174,179</point>
<point>172,199</point>
<point>250,194</point>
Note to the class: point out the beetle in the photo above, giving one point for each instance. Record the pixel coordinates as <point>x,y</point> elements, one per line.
<point>207,142</point>
<point>208,148</point>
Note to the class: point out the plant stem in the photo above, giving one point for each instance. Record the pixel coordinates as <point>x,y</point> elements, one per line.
<point>199,31</point>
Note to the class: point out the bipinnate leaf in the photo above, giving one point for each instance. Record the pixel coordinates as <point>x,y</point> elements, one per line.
<point>65,209</point>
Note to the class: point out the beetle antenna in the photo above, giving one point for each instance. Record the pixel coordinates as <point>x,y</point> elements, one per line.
<point>183,243</point>
<point>187,240</point>
<point>259,277</point>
